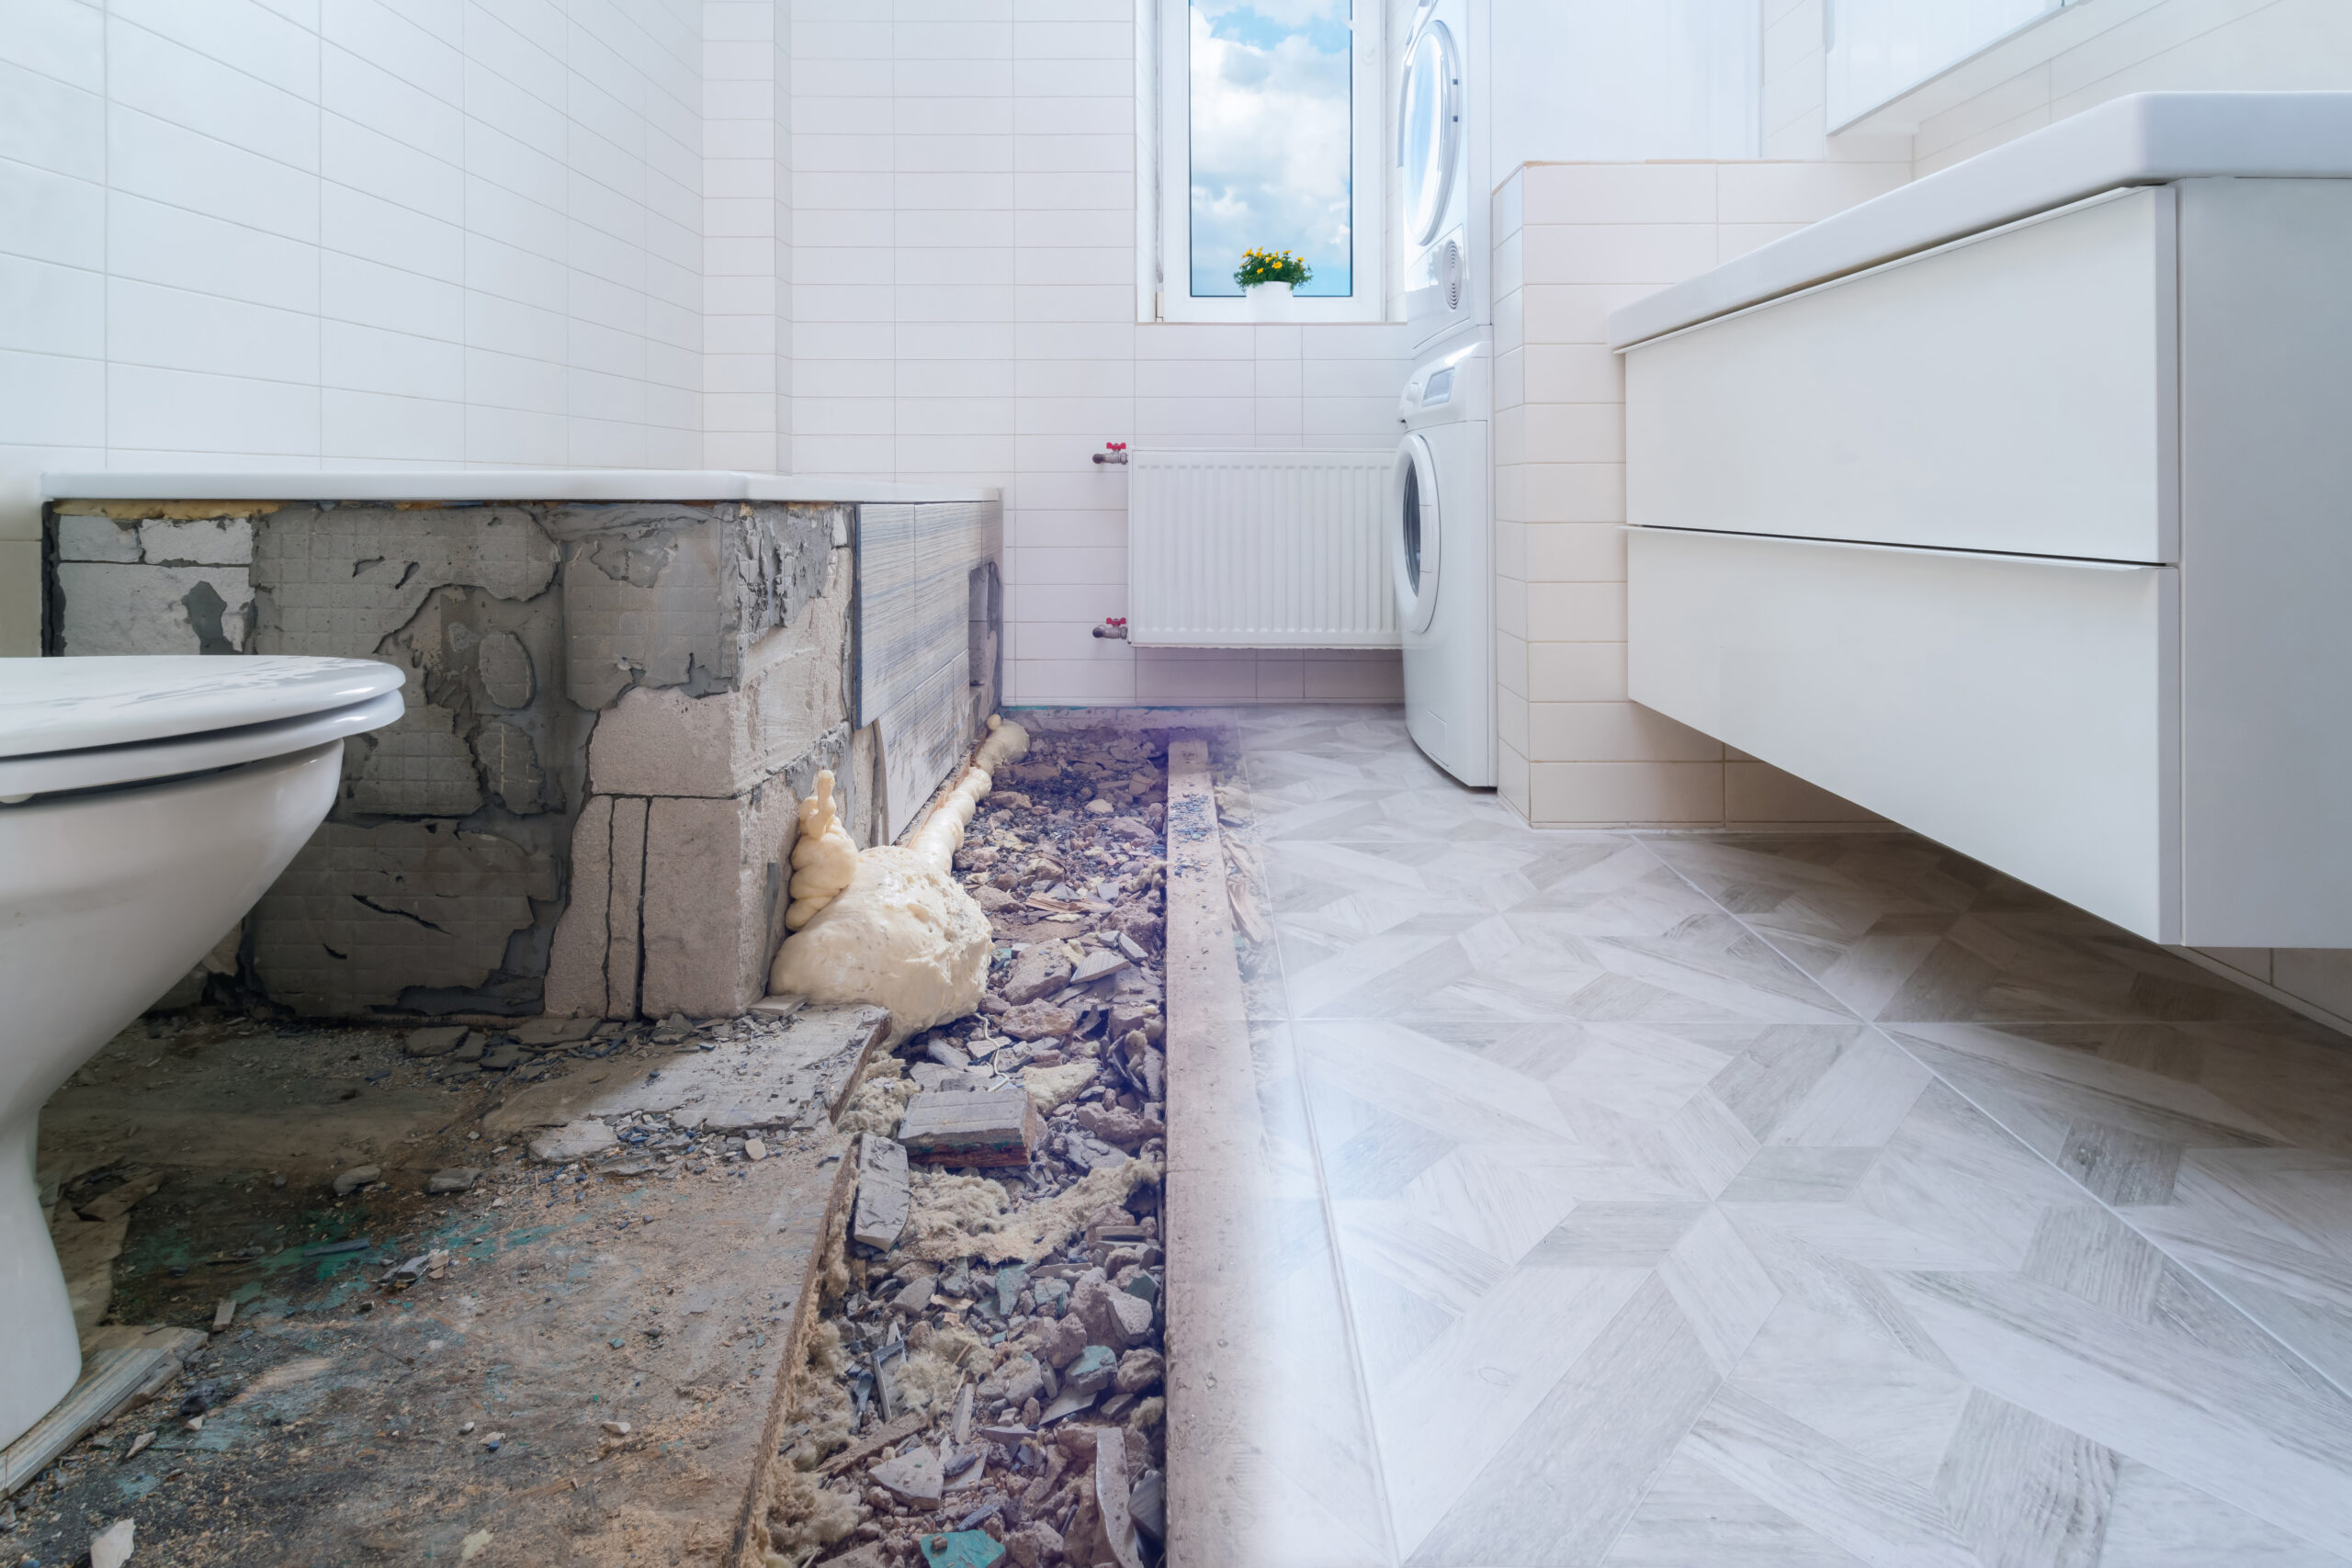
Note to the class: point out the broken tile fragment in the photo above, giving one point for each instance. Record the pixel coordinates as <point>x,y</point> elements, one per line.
<point>883,1201</point>
<point>913,1477</point>
<point>438,1041</point>
<point>1098,965</point>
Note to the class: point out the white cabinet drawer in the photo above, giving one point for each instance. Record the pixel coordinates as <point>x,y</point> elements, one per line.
<point>2022,711</point>
<point>2014,391</point>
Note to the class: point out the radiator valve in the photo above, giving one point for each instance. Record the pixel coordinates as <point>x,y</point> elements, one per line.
<point>1113,452</point>
<point>1112,626</point>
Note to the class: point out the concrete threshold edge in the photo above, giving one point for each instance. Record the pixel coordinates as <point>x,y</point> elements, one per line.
<point>750,1547</point>
<point>1211,1103</point>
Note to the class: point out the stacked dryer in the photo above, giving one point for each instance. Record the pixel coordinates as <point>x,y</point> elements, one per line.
<point>1440,515</point>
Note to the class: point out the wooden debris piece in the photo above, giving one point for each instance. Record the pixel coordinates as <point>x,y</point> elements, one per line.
<point>874,1442</point>
<point>1111,1495</point>
<point>113,1204</point>
<point>882,1197</point>
<point>111,1380</point>
<point>1097,965</point>
<point>997,1127</point>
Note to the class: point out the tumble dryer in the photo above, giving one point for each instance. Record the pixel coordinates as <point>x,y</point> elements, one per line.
<point>1441,552</point>
<point>1442,137</point>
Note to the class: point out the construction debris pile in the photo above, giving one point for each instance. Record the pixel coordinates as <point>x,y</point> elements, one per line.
<point>984,1386</point>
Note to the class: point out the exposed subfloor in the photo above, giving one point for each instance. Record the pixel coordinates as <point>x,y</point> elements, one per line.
<point>1740,1198</point>
<point>579,1366</point>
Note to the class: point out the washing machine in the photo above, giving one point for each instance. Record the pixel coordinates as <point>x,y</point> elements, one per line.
<point>1441,534</point>
<point>1442,136</point>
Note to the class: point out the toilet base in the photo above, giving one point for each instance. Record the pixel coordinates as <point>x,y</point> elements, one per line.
<point>106,898</point>
<point>40,1353</point>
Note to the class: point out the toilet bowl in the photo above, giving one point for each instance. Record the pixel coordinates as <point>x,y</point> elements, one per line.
<point>145,805</point>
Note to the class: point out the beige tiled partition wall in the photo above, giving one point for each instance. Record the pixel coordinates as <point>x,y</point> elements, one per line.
<point>1573,241</point>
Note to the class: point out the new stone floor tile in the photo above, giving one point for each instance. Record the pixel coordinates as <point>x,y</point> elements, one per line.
<point>1794,1201</point>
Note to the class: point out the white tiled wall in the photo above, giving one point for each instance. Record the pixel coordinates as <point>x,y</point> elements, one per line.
<point>747,234</point>
<point>315,232</point>
<point>2244,44</point>
<point>963,301</point>
<point>1573,241</point>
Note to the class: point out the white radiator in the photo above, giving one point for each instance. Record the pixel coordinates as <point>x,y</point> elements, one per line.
<point>1260,549</point>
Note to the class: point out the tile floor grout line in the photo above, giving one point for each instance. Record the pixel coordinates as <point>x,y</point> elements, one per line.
<point>1722,1380</point>
<point>1395,1559</point>
<point>2216,1286</point>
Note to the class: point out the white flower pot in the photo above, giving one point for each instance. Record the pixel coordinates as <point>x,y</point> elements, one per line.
<point>1269,301</point>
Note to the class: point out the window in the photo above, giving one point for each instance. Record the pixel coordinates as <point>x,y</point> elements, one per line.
<point>1879,49</point>
<point>1269,128</point>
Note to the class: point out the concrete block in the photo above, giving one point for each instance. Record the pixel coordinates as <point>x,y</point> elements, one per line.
<point>576,985</point>
<point>385,917</point>
<point>211,541</point>
<point>523,744</point>
<point>109,608</point>
<point>676,595</point>
<point>647,609</point>
<point>96,539</point>
<point>793,692</point>
<point>339,579</point>
<point>20,598</point>
<point>715,897</point>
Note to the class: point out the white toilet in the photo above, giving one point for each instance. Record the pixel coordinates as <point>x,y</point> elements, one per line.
<point>145,805</point>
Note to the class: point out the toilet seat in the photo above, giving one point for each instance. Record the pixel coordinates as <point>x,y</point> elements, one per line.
<point>72,724</point>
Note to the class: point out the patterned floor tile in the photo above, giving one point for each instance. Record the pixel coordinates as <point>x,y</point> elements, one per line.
<point>1783,1200</point>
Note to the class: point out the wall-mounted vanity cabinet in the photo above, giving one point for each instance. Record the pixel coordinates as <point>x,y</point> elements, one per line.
<point>2017,506</point>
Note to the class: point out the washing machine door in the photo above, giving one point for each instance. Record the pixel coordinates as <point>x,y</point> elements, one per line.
<point>1428,135</point>
<point>1417,542</point>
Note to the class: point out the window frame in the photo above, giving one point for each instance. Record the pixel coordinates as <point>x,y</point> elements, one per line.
<point>1163,202</point>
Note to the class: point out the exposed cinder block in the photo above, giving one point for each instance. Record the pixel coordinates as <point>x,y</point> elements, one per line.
<point>644,609</point>
<point>208,541</point>
<point>793,692</point>
<point>417,766</point>
<point>714,892</point>
<point>692,662</point>
<point>384,917</point>
<point>675,595</point>
<point>96,539</point>
<point>124,609</point>
<point>576,986</point>
<point>338,579</point>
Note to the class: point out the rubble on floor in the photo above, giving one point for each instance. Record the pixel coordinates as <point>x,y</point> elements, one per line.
<point>985,1385</point>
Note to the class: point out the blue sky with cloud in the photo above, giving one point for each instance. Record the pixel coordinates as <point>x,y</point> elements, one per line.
<point>1271,123</point>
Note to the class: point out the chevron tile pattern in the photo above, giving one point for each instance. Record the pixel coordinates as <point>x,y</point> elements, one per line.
<point>1721,1200</point>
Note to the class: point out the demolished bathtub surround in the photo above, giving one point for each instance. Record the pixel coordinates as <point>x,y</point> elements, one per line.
<point>615,707</point>
<point>985,1384</point>
<point>901,934</point>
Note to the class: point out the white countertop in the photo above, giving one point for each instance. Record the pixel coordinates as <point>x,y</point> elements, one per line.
<point>492,484</point>
<point>2146,139</point>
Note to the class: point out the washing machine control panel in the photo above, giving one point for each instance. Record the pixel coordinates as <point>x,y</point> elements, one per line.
<point>1452,386</point>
